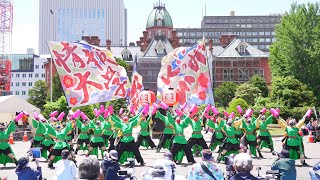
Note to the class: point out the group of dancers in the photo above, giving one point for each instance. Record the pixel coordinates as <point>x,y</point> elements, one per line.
<point>110,131</point>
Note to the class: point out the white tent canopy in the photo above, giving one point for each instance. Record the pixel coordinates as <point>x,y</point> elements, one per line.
<point>9,105</point>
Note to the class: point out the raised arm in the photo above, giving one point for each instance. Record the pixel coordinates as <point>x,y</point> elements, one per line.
<point>11,128</point>
<point>35,123</point>
<point>282,123</point>
<point>301,122</point>
<point>269,119</point>
<point>135,119</point>
<point>116,121</point>
<point>160,116</point>
<point>78,123</point>
<point>170,118</point>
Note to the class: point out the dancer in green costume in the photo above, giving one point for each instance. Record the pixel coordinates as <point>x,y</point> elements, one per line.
<point>168,134</point>
<point>47,143</point>
<point>96,140</point>
<point>249,126</point>
<point>107,132</point>
<point>264,137</point>
<point>83,137</point>
<point>196,141</point>
<point>179,140</point>
<point>293,139</point>
<point>60,135</point>
<point>127,141</point>
<point>231,144</point>
<point>217,136</point>
<point>6,154</point>
<point>38,136</point>
<point>144,137</point>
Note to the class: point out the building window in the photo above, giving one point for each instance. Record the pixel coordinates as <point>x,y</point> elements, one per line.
<point>37,66</point>
<point>192,34</point>
<point>249,33</point>
<point>247,74</point>
<point>11,83</point>
<point>231,74</point>
<point>261,73</point>
<point>24,75</point>
<point>36,75</point>
<point>242,33</point>
<point>240,74</point>
<point>256,71</point>
<point>17,75</point>
<point>267,33</point>
<point>255,33</point>
<point>30,83</point>
<point>42,66</point>
<point>24,83</point>
<point>261,33</point>
<point>268,40</point>
<point>225,74</point>
<point>30,75</point>
<point>273,33</point>
<point>180,34</point>
<point>17,84</point>
<point>23,92</point>
<point>11,75</point>
<point>261,40</point>
<point>17,93</point>
<point>254,39</point>
<point>43,75</point>
<point>273,39</point>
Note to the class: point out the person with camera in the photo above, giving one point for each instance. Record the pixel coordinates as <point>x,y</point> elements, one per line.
<point>242,164</point>
<point>25,172</point>
<point>168,165</point>
<point>110,165</point>
<point>206,169</point>
<point>65,169</point>
<point>285,165</point>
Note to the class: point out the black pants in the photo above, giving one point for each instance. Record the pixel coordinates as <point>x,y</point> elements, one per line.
<point>111,141</point>
<point>185,147</point>
<point>163,140</point>
<point>35,143</point>
<point>197,141</point>
<point>130,146</point>
<point>147,138</point>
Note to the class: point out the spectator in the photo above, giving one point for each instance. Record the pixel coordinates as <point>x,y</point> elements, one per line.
<point>65,169</point>
<point>312,172</point>
<point>25,172</point>
<point>285,165</point>
<point>110,165</point>
<point>168,165</point>
<point>206,169</point>
<point>242,164</point>
<point>89,169</point>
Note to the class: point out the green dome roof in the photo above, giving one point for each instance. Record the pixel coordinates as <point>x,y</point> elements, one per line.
<point>159,12</point>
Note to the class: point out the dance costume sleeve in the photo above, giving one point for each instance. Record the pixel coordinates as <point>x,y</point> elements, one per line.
<point>160,116</point>
<point>35,123</point>
<point>282,123</point>
<point>300,123</point>
<point>116,121</point>
<point>11,128</point>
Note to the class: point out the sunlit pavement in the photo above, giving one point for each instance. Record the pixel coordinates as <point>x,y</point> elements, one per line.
<point>312,152</point>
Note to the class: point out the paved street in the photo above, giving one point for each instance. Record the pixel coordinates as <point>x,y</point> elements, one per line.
<point>20,149</point>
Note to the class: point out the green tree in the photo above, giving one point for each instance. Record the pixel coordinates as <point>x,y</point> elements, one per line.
<point>225,93</point>
<point>38,94</point>
<point>60,105</point>
<point>247,92</point>
<point>123,63</point>
<point>57,90</point>
<point>88,110</point>
<point>260,83</point>
<point>237,102</point>
<point>297,49</point>
<point>291,93</point>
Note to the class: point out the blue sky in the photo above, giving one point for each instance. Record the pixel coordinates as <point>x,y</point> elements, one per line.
<point>184,13</point>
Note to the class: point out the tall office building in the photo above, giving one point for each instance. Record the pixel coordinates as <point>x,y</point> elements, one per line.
<point>69,20</point>
<point>255,30</point>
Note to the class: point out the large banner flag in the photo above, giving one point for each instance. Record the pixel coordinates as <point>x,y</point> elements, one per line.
<point>88,74</point>
<point>186,70</point>
<point>136,87</point>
